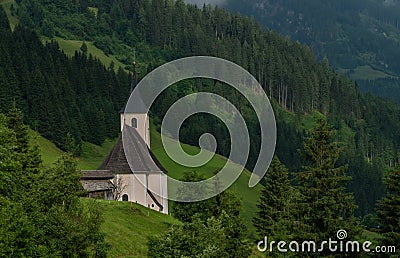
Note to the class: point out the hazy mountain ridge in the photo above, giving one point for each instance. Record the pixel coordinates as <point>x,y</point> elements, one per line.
<point>350,33</point>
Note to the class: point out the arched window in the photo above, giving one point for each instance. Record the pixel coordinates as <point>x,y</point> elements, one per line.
<point>125,197</point>
<point>134,122</point>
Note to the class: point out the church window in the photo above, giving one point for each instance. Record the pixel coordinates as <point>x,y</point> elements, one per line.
<point>134,122</point>
<point>125,197</point>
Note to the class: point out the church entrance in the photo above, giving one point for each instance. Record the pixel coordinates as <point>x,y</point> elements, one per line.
<point>125,198</point>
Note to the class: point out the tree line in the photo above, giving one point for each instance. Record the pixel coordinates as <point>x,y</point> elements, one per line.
<point>351,33</point>
<point>59,95</point>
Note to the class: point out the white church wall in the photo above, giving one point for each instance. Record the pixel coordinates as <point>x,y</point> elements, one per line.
<point>137,192</point>
<point>143,124</point>
<point>157,185</point>
<point>140,189</point>
<point>128,186</point>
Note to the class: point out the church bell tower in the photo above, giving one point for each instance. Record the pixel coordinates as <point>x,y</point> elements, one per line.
<point>135,115</point>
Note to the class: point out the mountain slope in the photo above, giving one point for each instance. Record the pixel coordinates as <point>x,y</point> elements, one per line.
<point>351,33</point>
<point>93,155</point>
<point>127,227</point>
<point>72,46</point>
<point>360,38</point>
<point>288,72</point>
<point>8,5</point>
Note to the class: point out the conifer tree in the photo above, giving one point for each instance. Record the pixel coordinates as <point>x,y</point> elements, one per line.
<point>84,49</point>
<point>325,207</point>
<point>388,212</point>
<point>275,207</point>
<point>4,24</point>
<point>224,207</point>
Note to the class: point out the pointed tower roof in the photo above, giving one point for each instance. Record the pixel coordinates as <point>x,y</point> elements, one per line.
<point>136,105</point>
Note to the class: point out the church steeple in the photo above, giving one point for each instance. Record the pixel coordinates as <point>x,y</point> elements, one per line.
<point>134,77</point>
<point>135,114</point>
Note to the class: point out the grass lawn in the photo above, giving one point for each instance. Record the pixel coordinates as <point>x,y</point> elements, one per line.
<point>128,228</point>
<point>365,72</point>
<point>7,5</point>
<point>70,46</point>
<point>48,150</point>
<point>249,196</point>
<point>91,158</point>
<point>93,155</point>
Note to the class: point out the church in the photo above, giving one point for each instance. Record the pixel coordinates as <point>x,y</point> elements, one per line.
<point>116,179</point>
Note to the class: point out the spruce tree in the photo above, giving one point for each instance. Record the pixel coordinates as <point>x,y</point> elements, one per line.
<point>325,207</point>
<point>275,213</point>
<point>84,49</point>
<point>388,212</point>
<point>225,207</point>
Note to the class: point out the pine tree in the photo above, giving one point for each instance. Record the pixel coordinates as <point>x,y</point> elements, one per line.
<point>84,48</point>
<point>16,123</point>
<point>4,23</point>
<point>224,207</point>
<point>28,152</point>
<point>184,211</point>
<point>325,207</point>
<point>275,207</point>
<point>388,212</point>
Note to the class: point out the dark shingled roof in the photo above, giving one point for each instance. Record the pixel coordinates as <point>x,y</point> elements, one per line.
<point>96,174</point>
<point>116,161</point>
<point>96,185</point>
<point>140,156</point>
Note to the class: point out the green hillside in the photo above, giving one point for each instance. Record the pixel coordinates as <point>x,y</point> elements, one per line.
<point>70,46</point>
<point>127,228</point>
<point>48,150</point>
<point>7,5</point>
<point>248,195</point>
<point>355,35</point>
<point>93,155</point>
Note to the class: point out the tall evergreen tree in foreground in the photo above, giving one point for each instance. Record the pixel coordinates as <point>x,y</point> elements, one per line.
<point>388,211</point>
<point>211,228</point>
<point>275,207</point>
<point>41,214</point>
<point>325,207</point>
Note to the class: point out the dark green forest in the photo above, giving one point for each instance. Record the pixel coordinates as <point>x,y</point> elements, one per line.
<point>352,34</point>
<point>387,88</point>
<point>349,32</point>
<point>59,95</point>
<point>159,31</point>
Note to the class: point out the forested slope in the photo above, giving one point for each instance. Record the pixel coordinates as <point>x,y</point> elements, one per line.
<point>59,95</point>
<point>163,30</point>
<point>360,38</point>
<point>351,33</point>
